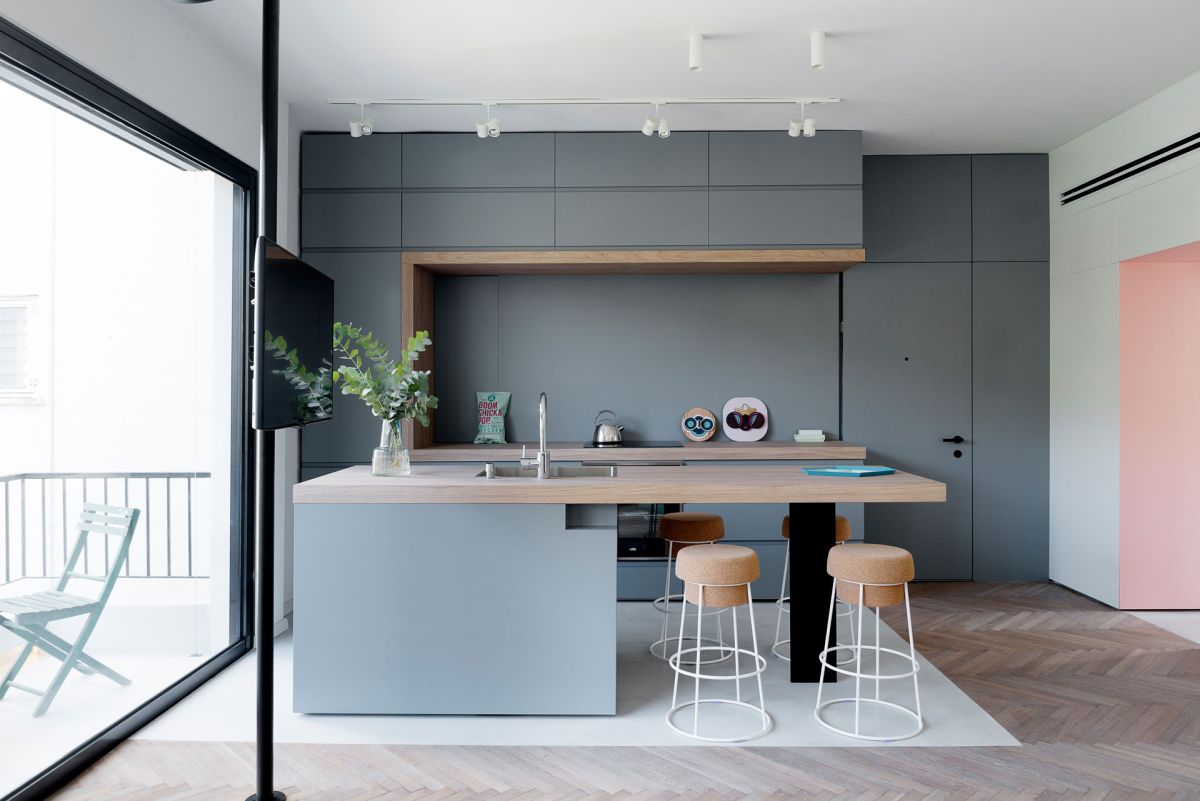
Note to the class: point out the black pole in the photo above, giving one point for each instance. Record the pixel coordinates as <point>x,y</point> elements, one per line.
<point>264,580</point>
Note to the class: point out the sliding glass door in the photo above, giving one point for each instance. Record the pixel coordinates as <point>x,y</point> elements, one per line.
<point>122,309</point>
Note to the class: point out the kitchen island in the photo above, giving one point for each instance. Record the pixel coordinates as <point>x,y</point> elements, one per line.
<point>448,593</point>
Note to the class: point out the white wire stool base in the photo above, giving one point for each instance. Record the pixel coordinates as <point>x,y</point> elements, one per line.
<point>857,651</point>
<point>660,648</point>
<point>676,661</point>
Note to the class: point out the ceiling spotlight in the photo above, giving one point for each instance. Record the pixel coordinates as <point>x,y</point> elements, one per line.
<point>795,127</point>
<point>695,52</point>
<point>648,127</point>
<point>362,126</point>
<point>810,127</point>
<point>816,45</point>
<point>490,127</point>
<point>664,130</point>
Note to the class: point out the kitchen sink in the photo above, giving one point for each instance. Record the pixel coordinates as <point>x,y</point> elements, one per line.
<point>565,471</point>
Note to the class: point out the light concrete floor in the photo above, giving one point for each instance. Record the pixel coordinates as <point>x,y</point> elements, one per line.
<point>224,710</point>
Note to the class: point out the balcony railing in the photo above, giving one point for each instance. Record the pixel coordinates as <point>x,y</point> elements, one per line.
<point>39,512</point>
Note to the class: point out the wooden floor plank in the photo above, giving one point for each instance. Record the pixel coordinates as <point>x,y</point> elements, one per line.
<point>1106,706</point>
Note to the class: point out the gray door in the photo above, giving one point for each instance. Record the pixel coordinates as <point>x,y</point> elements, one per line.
<point>907,386</point>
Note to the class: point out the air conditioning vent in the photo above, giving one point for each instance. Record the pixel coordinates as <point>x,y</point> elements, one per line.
<point>1132,168</point>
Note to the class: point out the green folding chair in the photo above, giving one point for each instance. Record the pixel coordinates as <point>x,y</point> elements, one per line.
<point>27,615</point>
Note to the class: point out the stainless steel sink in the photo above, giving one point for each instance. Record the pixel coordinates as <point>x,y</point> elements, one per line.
<point>556,471</point>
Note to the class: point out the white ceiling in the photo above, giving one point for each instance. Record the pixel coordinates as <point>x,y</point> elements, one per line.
<point>917,76</point>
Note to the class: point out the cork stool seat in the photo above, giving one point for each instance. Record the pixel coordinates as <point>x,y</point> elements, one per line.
<point>841,533</point>
<point>680,530</point>
<point>869,575</point>
<point>717,577</point>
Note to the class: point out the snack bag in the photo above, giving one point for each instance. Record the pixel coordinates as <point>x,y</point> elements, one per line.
<point>492,408</point>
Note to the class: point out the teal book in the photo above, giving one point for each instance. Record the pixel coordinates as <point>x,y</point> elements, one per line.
<point>850,470</point>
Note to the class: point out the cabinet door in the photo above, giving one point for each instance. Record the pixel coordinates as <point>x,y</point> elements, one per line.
<point>906,387</point>
<point>619,219</point>
<point>917,208</point>
<point>338,161</point>
<point>351,220</point>
<point>478,220</point>
<point>630,159</point>
<point>782,217</point>
<point>464,161</point>
<point>1010,207</point>
<point>772,158</point>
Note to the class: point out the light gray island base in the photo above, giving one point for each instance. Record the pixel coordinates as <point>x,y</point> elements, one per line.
<point>500,609</point>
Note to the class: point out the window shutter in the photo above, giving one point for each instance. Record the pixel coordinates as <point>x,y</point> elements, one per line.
<point>14,347</point>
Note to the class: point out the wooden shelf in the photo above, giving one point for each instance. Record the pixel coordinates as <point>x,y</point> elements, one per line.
<point>419,268</point>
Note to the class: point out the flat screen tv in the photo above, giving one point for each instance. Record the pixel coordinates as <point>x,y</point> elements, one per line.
<point>293,340</point>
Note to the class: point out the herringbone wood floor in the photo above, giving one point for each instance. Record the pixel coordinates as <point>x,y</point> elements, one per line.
<point>1105,705</point>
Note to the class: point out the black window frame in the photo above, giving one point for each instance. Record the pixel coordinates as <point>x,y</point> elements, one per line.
<point>82,92</point>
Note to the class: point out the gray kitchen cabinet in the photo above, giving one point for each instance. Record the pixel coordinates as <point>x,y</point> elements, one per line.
<point>1011,207</point>
<point>351,220</point>
<point>772,158</point>
<point>630,159</point>
<point>339,161</point>
<point>367,293</point>
<point>785,217</point>
<point>455,161</point>
<point>1011,318</point>
<point>906,388</point>
<point>631,219</point>
<point>478,220</point>
<point>917,208</point>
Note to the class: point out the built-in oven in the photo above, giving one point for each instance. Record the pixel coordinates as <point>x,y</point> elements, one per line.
<point>637,523</point>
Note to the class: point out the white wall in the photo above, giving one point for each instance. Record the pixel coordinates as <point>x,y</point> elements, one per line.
<point>1157,209</point>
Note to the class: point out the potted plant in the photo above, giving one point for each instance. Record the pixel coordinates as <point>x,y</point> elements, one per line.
<point>391,389</point>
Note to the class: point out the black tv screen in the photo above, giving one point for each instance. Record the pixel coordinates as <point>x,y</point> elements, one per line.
<point>293,340</point>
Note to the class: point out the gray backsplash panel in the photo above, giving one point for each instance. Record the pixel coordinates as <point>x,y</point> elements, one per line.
<point>648,347</point>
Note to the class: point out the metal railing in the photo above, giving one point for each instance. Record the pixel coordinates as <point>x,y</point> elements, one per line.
<point>39,513</point>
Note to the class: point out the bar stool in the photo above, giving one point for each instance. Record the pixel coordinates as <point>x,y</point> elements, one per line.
<point>876,576</point>
<point>680,530</point>
<point>841,533</point>
<point>718,577</point>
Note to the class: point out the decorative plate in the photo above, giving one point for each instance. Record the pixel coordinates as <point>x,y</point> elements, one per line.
<point>745,419</point>
<point>698,424</point>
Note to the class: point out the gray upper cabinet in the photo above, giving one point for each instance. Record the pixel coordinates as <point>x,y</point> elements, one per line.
<point>772,158</point>
<point>478,220</point>
<point>785,217</point>
<point>338,161</point>
<point>457,161</point>
<point>351,220</point>
<point>1011,207</point>
<point>917,208</point>
<point>630,159</point>
<point>622,219</point>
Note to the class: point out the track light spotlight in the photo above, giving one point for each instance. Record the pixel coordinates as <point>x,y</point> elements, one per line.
<point>493,128</point>
<point>664,130</point>
<point>648,127</point>
<point>481,130</point>
<point>490,127</point>
<point>362,126</point>
<point>810,127</point>
<point>816,45</point>
<point>795,127</point>
<point>695,52</point>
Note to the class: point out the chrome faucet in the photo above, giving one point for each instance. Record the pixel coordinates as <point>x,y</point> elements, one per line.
<point>542,460</point>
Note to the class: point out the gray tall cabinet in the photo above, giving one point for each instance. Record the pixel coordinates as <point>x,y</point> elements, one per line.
<point>947,337</point>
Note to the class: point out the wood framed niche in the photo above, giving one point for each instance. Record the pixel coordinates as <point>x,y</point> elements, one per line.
<point>419,268</point>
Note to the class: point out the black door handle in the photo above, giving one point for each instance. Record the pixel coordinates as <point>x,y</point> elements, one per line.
<point>956,439</point>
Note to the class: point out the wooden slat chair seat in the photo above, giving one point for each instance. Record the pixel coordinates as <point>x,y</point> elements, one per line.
<point>27,615</point>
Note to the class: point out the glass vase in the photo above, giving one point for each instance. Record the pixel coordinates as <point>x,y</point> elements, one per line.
<point>391,457</point>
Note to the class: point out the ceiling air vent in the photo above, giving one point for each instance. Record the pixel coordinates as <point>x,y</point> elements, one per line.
<point>1161,156</point>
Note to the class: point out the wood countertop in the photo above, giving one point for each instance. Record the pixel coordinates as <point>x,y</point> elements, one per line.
<point>687,484</point>
<point>690,452</point>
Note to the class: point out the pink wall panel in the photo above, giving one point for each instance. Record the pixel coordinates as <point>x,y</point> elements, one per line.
<point>1160,434</point>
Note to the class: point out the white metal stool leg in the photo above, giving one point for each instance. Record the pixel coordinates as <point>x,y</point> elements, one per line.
<point>877,675</point>
<point>660,647</point>
<point>677,664</point>
<point>784,607</point>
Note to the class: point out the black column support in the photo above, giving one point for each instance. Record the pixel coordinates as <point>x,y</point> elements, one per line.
<point>812,534</point>
<point>264,579</point>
